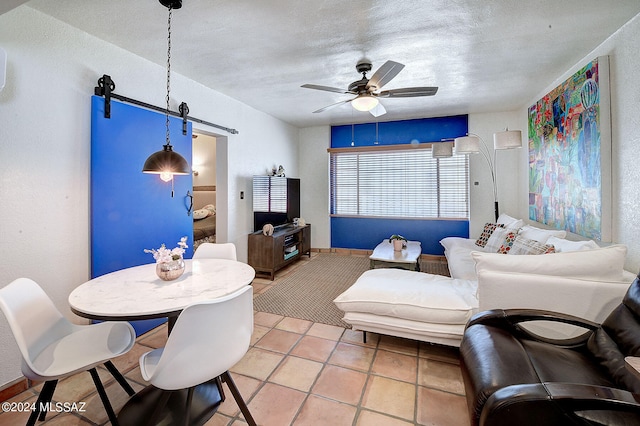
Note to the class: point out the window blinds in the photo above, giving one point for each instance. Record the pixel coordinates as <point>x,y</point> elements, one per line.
<point>406,183</point>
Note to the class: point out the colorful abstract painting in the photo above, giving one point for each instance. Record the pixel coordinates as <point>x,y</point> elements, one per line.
<point>565,153</point>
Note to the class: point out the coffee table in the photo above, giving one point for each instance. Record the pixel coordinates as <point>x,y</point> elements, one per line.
<point>408,258</point>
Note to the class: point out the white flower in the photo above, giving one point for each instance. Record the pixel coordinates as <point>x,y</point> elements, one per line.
<point>163,254</point>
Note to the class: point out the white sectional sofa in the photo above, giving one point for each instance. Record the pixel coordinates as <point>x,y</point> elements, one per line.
<point>580,279</point>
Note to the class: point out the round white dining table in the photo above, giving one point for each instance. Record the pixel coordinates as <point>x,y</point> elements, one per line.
<point>138,293</point>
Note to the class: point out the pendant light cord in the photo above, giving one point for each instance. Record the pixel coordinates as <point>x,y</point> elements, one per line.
<point>168,72</point>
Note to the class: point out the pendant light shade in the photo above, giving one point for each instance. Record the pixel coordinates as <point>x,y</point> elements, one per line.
<point>166,162</point>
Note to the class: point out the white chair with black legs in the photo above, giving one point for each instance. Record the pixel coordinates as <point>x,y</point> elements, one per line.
<point>53,348</point>
<point>206,341</point>
<point>216,251</point>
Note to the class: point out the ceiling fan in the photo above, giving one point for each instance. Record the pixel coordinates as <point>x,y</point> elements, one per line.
<point>367,90</point>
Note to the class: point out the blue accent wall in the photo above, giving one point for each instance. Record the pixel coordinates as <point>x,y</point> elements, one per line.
<point>131,210</point>
<point>366,233</point>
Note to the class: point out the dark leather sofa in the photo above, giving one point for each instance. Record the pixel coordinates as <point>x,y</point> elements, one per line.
<point>513,377</point>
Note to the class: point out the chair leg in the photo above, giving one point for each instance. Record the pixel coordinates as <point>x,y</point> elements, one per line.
<point>226,377</point>
<point>46,394</point>
<point>120,378</point>
<point>187,414</point>
<point>103,396</point>
<point>220,388</point>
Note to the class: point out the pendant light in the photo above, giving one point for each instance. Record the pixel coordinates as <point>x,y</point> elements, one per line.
<point>166,162</point>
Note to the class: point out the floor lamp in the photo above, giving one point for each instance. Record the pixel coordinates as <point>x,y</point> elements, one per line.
<point>474,144</point>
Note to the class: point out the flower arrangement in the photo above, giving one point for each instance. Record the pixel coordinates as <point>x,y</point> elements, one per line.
<point>163,254</point>
<point>397,237</point>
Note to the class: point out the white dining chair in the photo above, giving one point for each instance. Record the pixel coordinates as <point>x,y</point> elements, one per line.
<point>216,251</point>
<point>207,340</point>
<point>52,347</point>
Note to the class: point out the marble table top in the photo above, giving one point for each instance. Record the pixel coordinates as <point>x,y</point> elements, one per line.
<point>384,252</point>
<point>137,292</point>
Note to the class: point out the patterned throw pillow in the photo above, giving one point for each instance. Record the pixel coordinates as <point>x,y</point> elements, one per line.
<point>516,244</point>
<point>496,240</point>
<point>486,233</point>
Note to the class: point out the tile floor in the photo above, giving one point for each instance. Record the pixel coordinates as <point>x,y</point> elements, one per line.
<point>297,372</point>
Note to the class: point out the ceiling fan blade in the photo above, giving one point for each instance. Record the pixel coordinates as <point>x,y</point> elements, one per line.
<point>324,88</point>
<point>408,92</point>
<point>332,105</point>
<point>378,110</point>
<point>384,74</point>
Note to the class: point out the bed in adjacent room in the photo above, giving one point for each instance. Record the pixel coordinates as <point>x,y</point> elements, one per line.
<point>204,215</point>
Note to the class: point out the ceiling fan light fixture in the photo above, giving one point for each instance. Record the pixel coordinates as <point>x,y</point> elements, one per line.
<point>364,103</point>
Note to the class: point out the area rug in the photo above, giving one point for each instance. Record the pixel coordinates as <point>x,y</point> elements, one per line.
<point>308,291</point>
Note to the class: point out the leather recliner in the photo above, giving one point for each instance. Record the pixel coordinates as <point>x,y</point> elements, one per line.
<point>514,377</point>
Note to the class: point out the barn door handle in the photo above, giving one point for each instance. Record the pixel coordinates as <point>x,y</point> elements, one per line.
<point>190,208</point>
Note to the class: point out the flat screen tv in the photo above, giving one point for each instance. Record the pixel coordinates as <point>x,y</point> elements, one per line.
<point>276,200</point>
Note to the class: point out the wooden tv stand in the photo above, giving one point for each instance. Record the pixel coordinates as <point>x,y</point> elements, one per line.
<point>287,244</point>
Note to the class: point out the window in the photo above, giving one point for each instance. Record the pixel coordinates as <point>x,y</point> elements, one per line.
<point>398,182</point>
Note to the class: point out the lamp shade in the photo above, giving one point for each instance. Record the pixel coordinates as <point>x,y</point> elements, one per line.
<point>467,145</point>
<point>364,103</point>
<point>507,140</point>
<point>166,162</point>
<point>442,150</point>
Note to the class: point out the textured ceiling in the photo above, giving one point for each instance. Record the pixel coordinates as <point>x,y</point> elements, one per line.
<point>483,55</point>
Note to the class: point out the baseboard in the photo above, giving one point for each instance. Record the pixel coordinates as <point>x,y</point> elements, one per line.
<point>14,388</point>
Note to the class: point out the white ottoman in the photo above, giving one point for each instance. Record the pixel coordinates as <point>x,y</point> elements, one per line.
<point>414,305</point>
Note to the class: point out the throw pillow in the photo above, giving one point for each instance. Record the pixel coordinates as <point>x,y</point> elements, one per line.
<point>517,245</point>
<point>540,234</point>
<point>563,245</point>
<point>200,214</point>
<point>496,239</point>
<point>486,233</point>
<point>510,222</point>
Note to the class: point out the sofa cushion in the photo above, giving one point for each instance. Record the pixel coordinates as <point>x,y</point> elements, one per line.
<point>565,245</point>
<point>603,264</point>
<point>510,222</point>
<point>411,295</point>
<point>540,234</point>
<point>458,252</point>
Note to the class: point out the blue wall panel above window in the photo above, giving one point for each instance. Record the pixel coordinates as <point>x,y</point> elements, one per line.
<point>399,132</point>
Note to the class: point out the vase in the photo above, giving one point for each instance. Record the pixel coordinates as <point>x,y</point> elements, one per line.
<point>169,271</point>
<point>397,245</point>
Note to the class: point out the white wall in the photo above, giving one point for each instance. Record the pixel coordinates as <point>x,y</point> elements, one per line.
<point>204,160</point>
<point>624,62</point>
<point>45,142</point>
<point>314,182</point>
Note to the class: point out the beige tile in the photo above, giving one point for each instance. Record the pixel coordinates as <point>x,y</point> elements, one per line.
<point>258,363</point>
<point>442,353</point>
<point>341,384</point>
<point>390,396</point>
<point>325,331</point>
<point>76,388</point>
<point>356,337</point>
<point>219,420</point>
<point>131,359</point>
<point>441,408</point>
<point>296,373</point>
<point>320,411</point>
<point>278,341</point>
<point>247,387</point>
<point>295,325</point>
<point>314,348</point>
<point>117,396</point>
<point>258,332</point>
<point>155,338</point>
<point>275,405</point>
<point>259,288</point>
<point>395,366</point>
<point>352,356</point>
<point>266,319</point>
<point>369,418</point>
<point>398,344</point>
<point>440,375</point>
